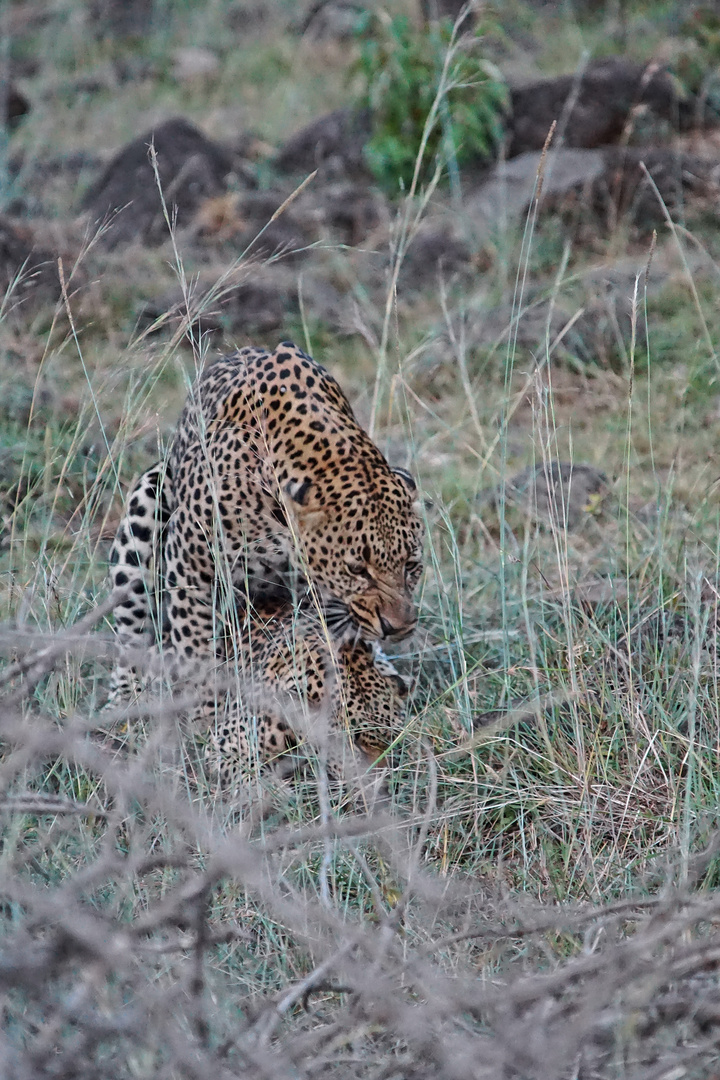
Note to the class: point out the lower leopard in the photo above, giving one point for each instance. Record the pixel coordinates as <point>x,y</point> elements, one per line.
<point>297,686</point>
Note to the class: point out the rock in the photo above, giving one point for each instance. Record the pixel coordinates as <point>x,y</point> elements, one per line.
<point>437,250</point>
<point>510,187</point>
<point>623,191</point>
<point>595,189</point>
<point>331,20</point>
<point>560,492</point>
<point>126,199</point>
<point>262,302</point>
<point>611,99</point>
<point>121,18</point>
<point>246,220</point>
<point>342,213</point>
<point>602,105</point>
<point>334,143</point>
<point>28,271</point>
<point>194,64</point>
<point>13,104</point>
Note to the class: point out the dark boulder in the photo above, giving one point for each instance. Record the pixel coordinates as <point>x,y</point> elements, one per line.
<point>596,109</point>
<point>126,199</point>
<point>334,143</point>
<point>639,185</point>
<point>638,188</point>
<point>13,104</point>
<point>28,270</point>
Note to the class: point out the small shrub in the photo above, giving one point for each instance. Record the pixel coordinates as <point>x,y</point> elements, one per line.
<point>697,65</point>
<point>408,86</point>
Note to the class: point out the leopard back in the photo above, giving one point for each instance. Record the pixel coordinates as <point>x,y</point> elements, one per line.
<point>274,475</point>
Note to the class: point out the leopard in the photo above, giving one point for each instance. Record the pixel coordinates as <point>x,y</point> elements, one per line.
<point>281,650</point>
<point>273,476</point>
<point>296,677</point>
<point>270,478</point>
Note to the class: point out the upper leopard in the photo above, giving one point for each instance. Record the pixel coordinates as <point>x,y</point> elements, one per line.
<point>271,470</point>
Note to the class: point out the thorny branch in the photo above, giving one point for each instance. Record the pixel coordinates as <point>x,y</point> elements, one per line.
<point>125,953</point>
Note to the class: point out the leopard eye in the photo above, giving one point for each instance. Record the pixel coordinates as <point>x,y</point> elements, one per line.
<point>357,568</point>
<point>412,566</point>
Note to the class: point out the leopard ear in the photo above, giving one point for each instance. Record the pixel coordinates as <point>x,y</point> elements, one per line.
<point>300,491</point>
<point>305,504</point>
<point>407,477</point>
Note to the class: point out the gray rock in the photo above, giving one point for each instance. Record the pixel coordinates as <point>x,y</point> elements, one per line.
<point>334,143</point>
<point>505,196</point>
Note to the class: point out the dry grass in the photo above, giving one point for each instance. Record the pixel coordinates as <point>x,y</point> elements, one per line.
<point>150,930</point>
<point>540,899</point>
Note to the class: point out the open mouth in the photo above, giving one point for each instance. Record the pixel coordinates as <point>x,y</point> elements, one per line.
<point>398,633</point>
<point>344,624</point>
<point>391,632</point>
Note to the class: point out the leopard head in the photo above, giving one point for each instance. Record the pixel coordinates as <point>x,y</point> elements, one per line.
<point>375,698</point>
<point>360,543</point>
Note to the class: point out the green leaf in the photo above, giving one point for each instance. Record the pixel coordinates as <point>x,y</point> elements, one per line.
<point>401,69</point>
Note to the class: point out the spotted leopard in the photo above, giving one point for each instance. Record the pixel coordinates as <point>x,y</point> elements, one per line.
<point>271,473</point>
<point>297,686</point>
<point>279,657</point>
